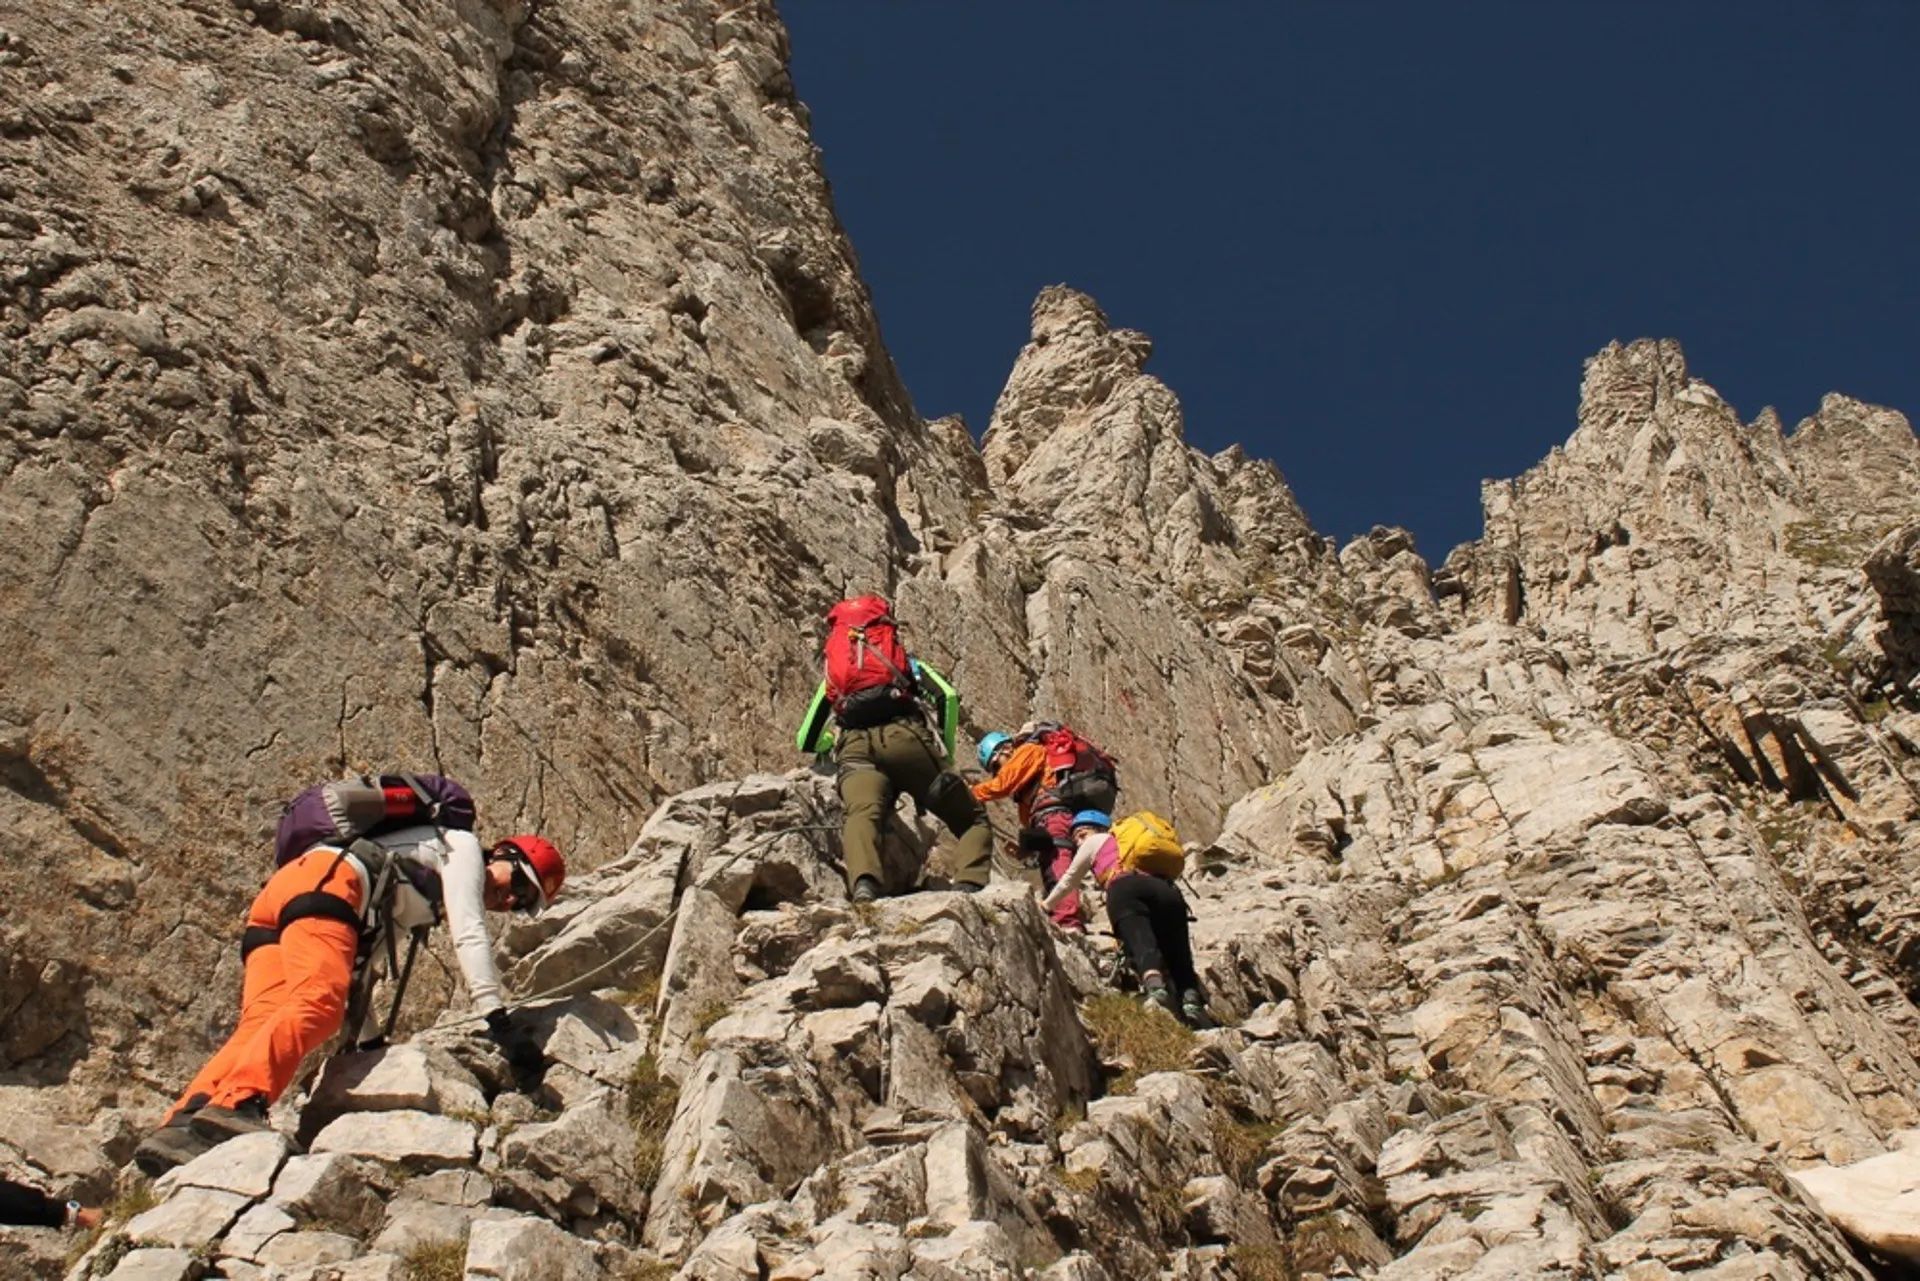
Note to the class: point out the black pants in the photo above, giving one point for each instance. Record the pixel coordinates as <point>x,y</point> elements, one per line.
<point>21,1204</point>
<point>1150,915</point>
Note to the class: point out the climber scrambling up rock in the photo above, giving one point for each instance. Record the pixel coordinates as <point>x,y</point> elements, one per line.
<point>1049,771</point>
<point>358,860</point>
<point>883,705</point>
<point>1136,863</point>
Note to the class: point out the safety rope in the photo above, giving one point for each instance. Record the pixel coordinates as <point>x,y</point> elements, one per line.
<point>567,986</point>
<point>563,988</point>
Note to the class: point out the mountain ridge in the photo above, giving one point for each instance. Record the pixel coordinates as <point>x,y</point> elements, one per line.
<point>491,387</point>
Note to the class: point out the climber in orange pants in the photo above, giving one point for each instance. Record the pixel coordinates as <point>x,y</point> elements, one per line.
<point>295,991</point>
<point>304,936</point>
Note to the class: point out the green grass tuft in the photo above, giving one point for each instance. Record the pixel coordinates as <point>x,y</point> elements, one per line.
<point>642,996</point>
<point>1081,1181</point>
<point>436,1261</point>
<point>651,1099</point>
<point>137,1199</point>
<point>1150,1040</point>
<point>1241,1145</point>
<point>1828,545</point>
<point>1261,1263</point>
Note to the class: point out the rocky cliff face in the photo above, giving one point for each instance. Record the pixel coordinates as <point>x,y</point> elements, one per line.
<point>488,387</point>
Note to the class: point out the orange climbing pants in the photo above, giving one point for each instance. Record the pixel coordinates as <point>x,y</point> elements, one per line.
<point>294,994</point>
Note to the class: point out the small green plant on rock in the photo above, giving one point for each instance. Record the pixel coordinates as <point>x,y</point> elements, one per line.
<point>643,995</point>
<point>1324,1243</point>
<point>137,1199</point>
<point>106,1261</point>
<point>1081,1181</point>
<point>707,1015</point>
<point>1261,1263</point>
<point>651,1100</point>
<point>1165,1210</point>
<point>1829,545</point>
<point>1783,829</point>
<point>829,1192</point>
<point>436,1261</point>
<point>1150,1040</point>
<point>1240,1145</point>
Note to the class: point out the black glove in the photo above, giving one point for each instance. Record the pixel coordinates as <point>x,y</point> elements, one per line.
<point>1036,846</point>
<point>523,1053</point>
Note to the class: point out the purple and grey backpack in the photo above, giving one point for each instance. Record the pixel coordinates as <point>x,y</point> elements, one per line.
<point>340,812</point>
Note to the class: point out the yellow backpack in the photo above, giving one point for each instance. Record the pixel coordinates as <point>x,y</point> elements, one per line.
<point>1148,843</point>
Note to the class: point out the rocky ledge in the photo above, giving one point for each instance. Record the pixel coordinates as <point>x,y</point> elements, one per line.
<point>1448,1048</point>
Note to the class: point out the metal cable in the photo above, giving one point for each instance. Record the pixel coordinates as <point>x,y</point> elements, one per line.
<point>560,989</point>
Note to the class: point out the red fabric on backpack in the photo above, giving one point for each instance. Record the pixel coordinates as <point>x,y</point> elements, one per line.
<point>337,812</point>
<point>1070,753</point>
<point>863,649</point>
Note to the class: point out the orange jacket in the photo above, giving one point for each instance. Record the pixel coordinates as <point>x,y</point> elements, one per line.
<point>1019,777</point>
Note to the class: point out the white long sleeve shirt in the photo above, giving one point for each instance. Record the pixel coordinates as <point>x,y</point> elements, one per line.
<point>457,859</point>
<point>1083,856</point>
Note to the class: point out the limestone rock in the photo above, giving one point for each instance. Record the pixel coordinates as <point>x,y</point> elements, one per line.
<point>192,1219</point>
<point>1873,1201</point>
<point>155,1265</point>
<point>255,1230</point>
<point>525,1249</point>
<point>246,1165</point>
<point>49,1151</point>
<point>580,1165</point>
<point>331,1188</point>
<point>291,1251</point>
<point>418,1140</point>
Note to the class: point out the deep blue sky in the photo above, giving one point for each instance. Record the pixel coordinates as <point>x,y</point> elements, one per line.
<point>1374,240</point>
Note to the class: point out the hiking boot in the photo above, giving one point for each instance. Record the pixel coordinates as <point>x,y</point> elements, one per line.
<point>172,1144</point>
<point>1193,1008</point>
<point>866,890</point>
<point>218,1124</point>
<point>1160,997</point>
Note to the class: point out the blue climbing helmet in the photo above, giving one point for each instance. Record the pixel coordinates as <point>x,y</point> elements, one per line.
<point>989,745</point>
<point>1092,818</point>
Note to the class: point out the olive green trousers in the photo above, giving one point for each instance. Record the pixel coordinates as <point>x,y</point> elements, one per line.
<point>879,763</point>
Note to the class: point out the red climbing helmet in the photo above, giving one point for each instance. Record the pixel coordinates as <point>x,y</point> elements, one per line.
<point>546,870</point>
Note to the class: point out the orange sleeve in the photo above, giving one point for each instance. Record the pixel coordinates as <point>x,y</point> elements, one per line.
<point>1023,768</point>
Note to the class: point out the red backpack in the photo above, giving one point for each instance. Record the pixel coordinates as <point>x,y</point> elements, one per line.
<point>1079,773</point>
<point>869,676</point>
